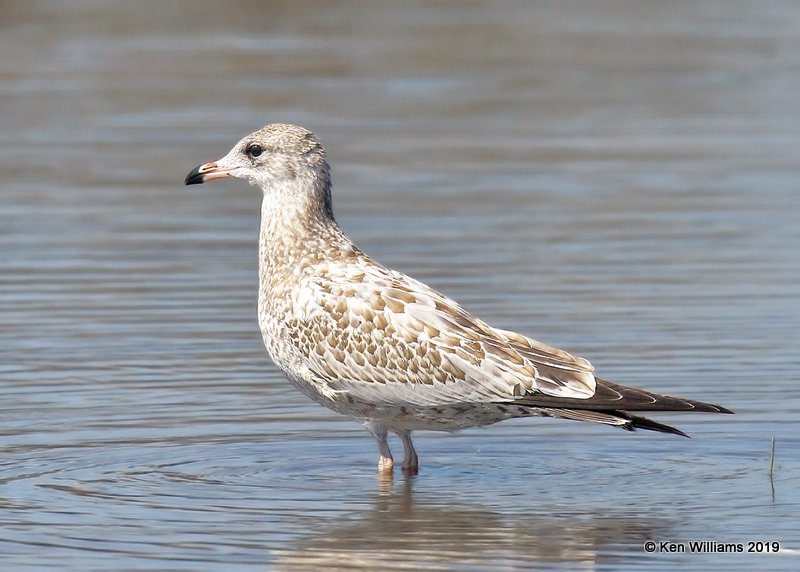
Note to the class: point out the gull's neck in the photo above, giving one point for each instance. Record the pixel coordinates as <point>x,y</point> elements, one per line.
<point>298,232</point>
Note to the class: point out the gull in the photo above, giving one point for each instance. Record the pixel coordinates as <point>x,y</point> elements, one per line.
<point>380,347</point>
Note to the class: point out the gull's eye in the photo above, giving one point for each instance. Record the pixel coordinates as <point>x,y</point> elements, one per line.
<point>254,150</point>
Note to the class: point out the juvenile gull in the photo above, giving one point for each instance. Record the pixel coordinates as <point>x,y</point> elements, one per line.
<point>378,346</point>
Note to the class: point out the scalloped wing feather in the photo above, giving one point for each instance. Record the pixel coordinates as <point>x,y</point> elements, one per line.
<point>560,374</point>
<point>387,339</point>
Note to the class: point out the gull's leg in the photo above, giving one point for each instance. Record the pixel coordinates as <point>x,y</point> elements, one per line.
<point>410,459</point>
<point>379,431</point>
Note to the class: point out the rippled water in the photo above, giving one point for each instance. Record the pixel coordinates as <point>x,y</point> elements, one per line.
<point>618,178</point>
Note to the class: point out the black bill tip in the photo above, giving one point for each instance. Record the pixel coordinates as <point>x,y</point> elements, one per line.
<point>195,176</point>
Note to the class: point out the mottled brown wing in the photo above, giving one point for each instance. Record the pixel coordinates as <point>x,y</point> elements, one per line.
<point>560,371</point>
<point>388,339</point>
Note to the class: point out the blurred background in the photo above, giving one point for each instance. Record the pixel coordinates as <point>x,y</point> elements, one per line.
<point>615,177</point>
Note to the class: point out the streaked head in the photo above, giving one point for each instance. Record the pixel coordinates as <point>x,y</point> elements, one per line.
<point>276,154</point>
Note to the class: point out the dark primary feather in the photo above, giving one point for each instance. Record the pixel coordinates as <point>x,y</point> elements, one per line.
<point>612,396</point>
<point>611,403</point>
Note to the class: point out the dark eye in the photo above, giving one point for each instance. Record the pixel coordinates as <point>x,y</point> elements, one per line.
<point>254,150</point>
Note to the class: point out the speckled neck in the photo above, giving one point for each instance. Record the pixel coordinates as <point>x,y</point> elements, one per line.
<point>298,232</point>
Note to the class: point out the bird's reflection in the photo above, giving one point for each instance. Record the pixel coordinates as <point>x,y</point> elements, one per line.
<point>407,531</point>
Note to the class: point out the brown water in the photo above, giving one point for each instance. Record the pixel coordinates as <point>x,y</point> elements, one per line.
<point>619,178</point>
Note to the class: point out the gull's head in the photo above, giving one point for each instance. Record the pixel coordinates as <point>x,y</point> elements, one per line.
<point>273,156</point>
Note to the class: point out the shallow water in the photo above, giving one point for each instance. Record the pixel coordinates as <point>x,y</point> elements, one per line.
<point>616,178</point>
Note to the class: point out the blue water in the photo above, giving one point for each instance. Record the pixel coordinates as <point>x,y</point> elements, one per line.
<point>616,178</point>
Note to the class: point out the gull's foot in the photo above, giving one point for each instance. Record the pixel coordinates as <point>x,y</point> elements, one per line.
<point>385,464</point>
<point>411,470</point>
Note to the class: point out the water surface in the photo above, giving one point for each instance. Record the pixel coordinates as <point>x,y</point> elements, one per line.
<point>616,178</point>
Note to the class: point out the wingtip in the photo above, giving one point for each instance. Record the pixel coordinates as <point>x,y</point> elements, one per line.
<point>701,407</point>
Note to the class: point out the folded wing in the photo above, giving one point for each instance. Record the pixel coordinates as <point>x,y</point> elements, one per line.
<point>385,338</point>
